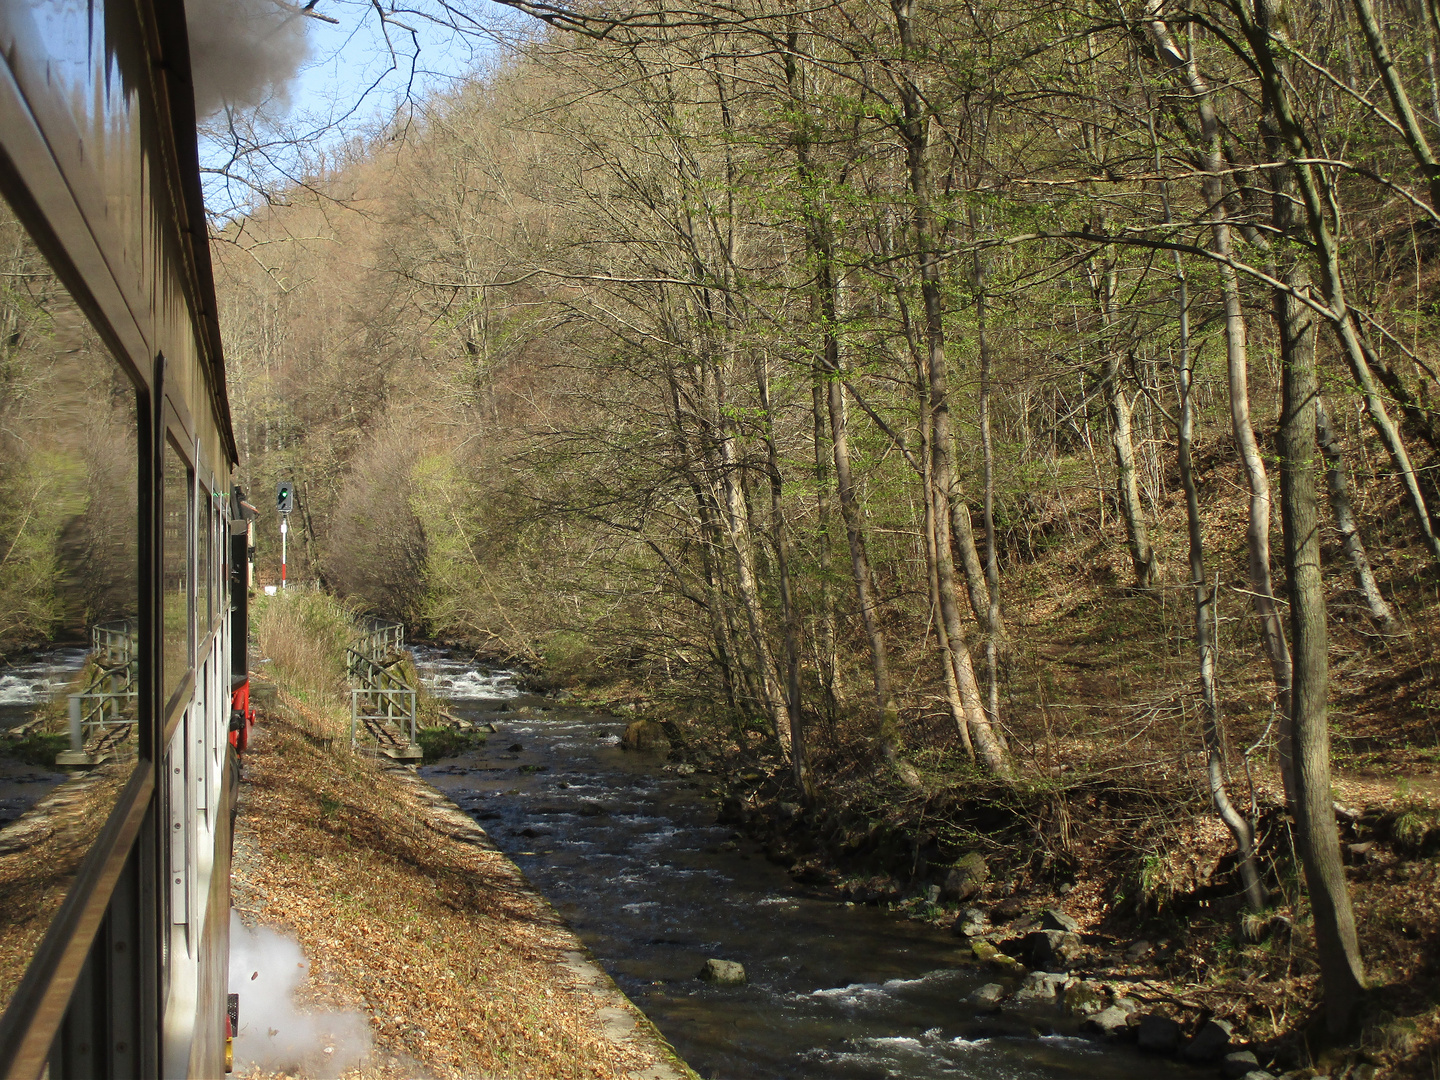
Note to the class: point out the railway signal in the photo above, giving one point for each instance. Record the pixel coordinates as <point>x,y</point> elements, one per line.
<point>285,503</point>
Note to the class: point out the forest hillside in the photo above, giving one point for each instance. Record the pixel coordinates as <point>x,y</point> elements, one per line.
<point>1005,429</point>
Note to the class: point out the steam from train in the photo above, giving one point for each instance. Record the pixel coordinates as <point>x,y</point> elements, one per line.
<point>243,52</point>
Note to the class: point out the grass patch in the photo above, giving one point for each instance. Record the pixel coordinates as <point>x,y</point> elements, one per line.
<point>443,742</point>
<point>304,633</point>
<point>35,748</point>
<point>1413,830</point>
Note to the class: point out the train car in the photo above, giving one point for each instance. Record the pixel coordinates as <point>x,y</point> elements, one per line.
<point>117,527</point>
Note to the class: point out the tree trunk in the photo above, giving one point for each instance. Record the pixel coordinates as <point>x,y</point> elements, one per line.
<point>887,727</point>
<point>1339,948</point>
<point>1241,830</point>
<point>790,615</point>
<point>1142,555</point>
<point>827,299</point>
<point>1344,514</point>
<point>1340,969</point>
<point>824,638</point>
<point>1425,163</point>
<point>953,698</point>
<point>1117,401</point>
<point>1237,364</point>
<point>1314,196</point>
<point>709,534</point>
<point>824,304</point>
<point>913,131</point>
<point>994,627</point>
<point>737,522</point>
<point>736,516</point>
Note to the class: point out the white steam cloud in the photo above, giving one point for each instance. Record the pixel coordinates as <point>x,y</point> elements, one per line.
<point>243,52</point>
<point>265,969</point>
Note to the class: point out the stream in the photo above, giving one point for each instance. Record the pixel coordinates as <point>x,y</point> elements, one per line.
<point>631,856</point>
<point>30,681</point>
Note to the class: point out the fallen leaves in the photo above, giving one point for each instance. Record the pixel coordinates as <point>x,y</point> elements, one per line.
<point>407,914</point>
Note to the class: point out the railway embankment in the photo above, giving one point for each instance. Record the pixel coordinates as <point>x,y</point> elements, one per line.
<point>409,916</point>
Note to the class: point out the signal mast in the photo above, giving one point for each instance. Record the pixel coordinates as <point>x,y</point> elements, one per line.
<point>285,503</point>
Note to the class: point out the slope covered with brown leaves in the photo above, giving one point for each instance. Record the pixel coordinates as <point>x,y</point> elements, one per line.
<point>408,914</point>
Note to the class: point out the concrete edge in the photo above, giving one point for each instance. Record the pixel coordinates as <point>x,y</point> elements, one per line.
<point>621,1020</point>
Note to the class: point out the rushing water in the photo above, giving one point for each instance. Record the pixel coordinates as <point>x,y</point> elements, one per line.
<point>25,685</point>
<point>630,854</point>
<point>35,679</point>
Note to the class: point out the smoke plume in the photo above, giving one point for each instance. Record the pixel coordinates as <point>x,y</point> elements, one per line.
<point>243,52</point>
<point>265,969</point>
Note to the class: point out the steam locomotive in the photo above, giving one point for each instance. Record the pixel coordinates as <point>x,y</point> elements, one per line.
<point>119,525</point>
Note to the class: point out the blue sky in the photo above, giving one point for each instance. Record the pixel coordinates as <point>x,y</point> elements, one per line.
<point>360,69</point>
<point>348,59</point>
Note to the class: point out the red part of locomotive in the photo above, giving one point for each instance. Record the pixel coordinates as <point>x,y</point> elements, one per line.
<point>242,714</point>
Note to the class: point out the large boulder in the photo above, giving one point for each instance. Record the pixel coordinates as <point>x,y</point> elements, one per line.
<point>1158,1034</point>
<point>988,996</point>
<point>645,735</point>
<point>1053,950</point>
<point>1084,999</point>
<point>965,878</point>
<point>1040,986</point>
<point>991,957</point>
<point>1137,951</point>
<point>723,972</point>
<point>1113,1023</point>
<point>1055,919</point>
<point>1012,907</point>
<point>1209,1043</point>
<point>971,923</point>
<point>983,950</point>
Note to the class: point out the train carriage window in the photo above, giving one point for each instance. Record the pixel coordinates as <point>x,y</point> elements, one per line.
<point>177,581</point>
<point>204,603</point>
<point>70,665</point>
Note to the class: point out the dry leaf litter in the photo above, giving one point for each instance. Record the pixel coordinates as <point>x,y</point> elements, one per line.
<point>408,914</point>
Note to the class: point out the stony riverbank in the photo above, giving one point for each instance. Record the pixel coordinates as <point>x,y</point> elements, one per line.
<point>408,915</point>
<point>1042,887</point>
<point>1184,971</point>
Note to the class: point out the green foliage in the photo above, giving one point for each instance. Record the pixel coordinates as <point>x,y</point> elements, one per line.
<point>1154,884</point>
<point>1413,828</point>
<point>35,748</point>
<point>568,656</point>
<point>445,742</point>
<point>38,496</point>
<point>453,575</point>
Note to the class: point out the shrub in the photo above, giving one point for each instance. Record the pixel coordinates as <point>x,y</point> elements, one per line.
<point>443,742</point>
<point>304,633</point>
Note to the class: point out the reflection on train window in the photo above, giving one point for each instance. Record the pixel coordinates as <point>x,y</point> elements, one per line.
<point>176,584</point>
<point>204,605</point>
<point>69,650</point>
<point>218,572</point>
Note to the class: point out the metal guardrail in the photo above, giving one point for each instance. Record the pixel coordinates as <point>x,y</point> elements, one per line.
<point>384,713</point>
<point>383,703</point>
<point>102,714</point>
<point>383,640</point>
